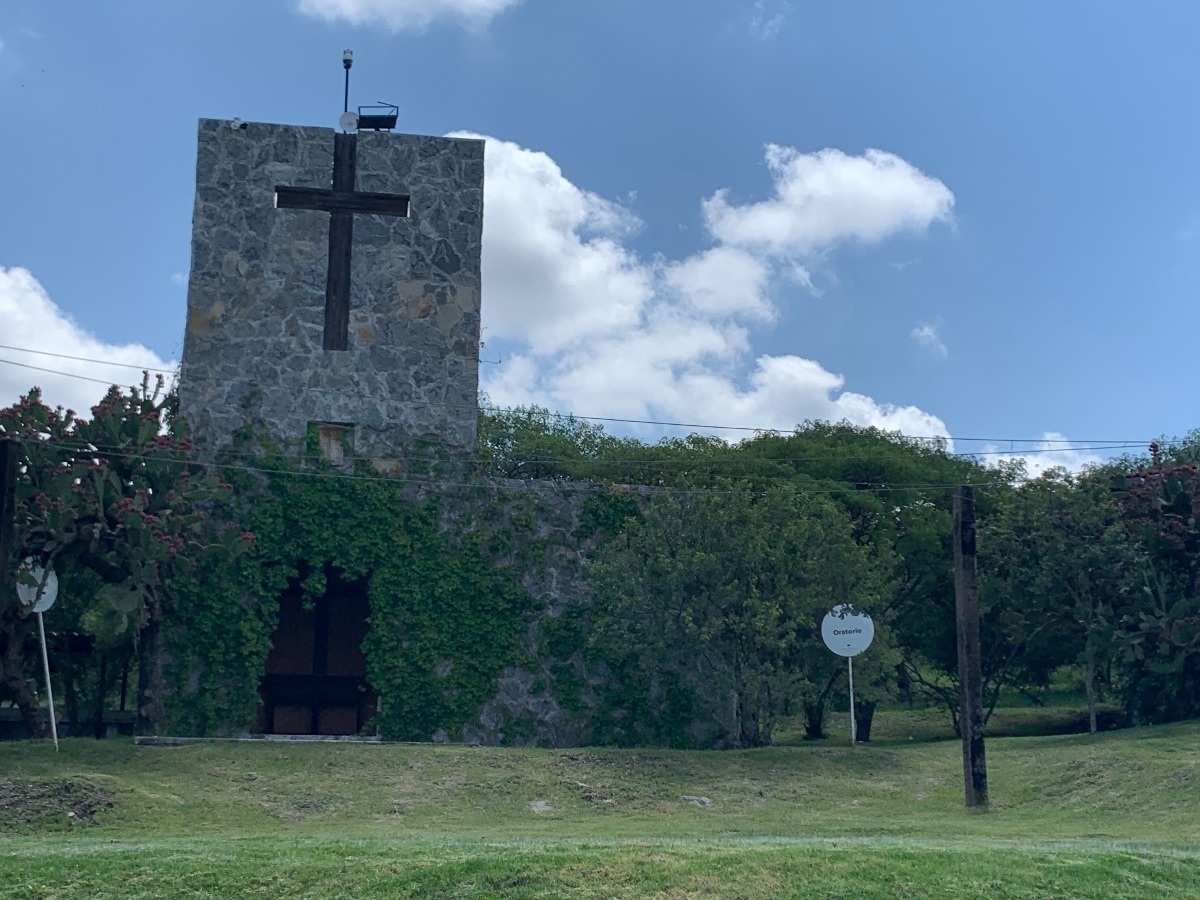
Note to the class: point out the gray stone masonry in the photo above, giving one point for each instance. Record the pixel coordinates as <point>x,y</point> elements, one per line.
<point>256,295</point>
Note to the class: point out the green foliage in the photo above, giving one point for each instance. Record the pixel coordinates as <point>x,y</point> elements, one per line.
<point>715,562</point>
<point>605,514</point>
<point>1057,568</point>
<point>531,442</point>
<point>117,506</point>
<point>445,622</point>
<point>894,490</point>
<point>150,561</point>
<point>1161,623</point>
<point>638,707</point>
<point>448,611</point>
<point>725,594</point>
<point>216,644</point>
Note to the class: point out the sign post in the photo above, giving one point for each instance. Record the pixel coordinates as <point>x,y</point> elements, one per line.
<point>848,632</point>
<point>41,597</point>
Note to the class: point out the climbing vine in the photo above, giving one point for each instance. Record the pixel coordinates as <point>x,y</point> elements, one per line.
<point>217,641</point>
<point>442,574</point>
<point>445,621</point>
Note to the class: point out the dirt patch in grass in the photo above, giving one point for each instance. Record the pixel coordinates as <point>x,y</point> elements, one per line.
<point>30,802</point>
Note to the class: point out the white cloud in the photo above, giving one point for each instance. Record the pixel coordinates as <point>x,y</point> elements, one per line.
<point>926,334</point>
<point>767,19</point>
<point>557,271</point>
<point>406,15</point>
<point>584,323</point>
<point>1053,451</point>
<point>722,281</point>
<point>32,321</point>
<point>179,278</point>
<point>597,329</point>
<point>826,198</point>
<point>799,274</point>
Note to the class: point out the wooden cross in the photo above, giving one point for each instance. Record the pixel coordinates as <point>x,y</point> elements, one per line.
<point>341,203</point>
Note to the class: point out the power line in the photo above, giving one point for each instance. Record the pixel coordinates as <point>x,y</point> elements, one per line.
<point>103,362</point>
<point>576,486</point>
<point>839,457</point>
<point>642,463</point>
<point>10,362</point>
<point>1071,444</point>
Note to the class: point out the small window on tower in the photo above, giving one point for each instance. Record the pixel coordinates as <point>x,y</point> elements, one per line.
<point>334,442</point>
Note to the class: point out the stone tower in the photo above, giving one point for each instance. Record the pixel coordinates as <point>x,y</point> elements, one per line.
<point>334,289</point>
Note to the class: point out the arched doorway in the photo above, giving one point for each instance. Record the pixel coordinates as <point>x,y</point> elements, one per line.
<point>316,675</point>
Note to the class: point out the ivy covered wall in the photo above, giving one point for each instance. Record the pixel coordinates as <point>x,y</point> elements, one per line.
<point>456,581</point>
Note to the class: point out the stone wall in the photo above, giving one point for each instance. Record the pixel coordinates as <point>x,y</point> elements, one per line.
<point>256,293</point>
<point>532,705</point>
<point>527,709</point>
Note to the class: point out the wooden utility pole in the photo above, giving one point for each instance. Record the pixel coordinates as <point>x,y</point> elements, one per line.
<point>970,667</point>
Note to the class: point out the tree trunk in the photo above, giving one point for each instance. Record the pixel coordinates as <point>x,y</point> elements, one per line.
<point>16,687</point>
<point>125,679</point>
<point>101,698</point>
<point>14,683</point>
<point>1090,685</point>
<point>814,719</point>
<point>904,686</point>
<point>864,715</point>
<point>814,710</point>
<point>151,680</point>
<point>754,731</point>
<point>70,694</point>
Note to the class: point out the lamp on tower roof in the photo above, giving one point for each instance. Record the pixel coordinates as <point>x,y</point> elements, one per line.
<point>348,121</point>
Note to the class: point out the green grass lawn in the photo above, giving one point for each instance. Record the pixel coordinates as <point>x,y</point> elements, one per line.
<point>1111,815</point>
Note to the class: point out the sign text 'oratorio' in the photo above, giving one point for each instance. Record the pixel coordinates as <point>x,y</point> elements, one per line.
<point>847,632</point>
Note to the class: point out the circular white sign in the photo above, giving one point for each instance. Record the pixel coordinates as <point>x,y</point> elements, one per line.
<point>845,632</point>
<point>40,596</point>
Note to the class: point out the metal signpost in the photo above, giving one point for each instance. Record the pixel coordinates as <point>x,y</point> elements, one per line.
<point>41,597</point>
<point>848,632</point>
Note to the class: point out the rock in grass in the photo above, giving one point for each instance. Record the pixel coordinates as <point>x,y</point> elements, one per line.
<point>696,801</point>
<point>540,806</point>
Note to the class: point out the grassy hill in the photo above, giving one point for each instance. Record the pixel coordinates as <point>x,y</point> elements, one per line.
<point>1112,815</point>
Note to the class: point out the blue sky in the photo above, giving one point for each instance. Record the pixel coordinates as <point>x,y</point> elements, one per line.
<point>979,220</point>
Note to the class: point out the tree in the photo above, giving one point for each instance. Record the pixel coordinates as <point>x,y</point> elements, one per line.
<point>894,489</point>
<point>1161,624</point>
<point>897,493</point>
<point>116,505</point>
<point>725,589</point>
<point>531,442</point>
<point>1057,564</point>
